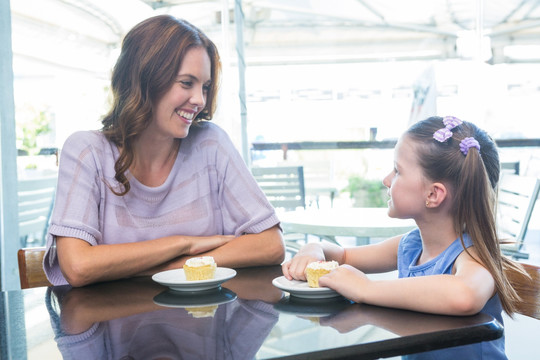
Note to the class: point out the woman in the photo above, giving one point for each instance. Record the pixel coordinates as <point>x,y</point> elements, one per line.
<point>158,184</point>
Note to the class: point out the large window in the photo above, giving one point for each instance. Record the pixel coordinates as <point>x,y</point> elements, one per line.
<point>314,71</point>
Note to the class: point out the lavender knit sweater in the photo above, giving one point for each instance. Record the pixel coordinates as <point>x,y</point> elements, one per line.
<point>209,191</point>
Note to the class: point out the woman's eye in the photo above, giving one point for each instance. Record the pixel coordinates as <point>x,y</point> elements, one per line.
<point>186,83</point>
<point>206,88</point>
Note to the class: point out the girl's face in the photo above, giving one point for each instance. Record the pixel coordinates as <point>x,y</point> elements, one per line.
<point>406,183</point>
<point>178,107</point>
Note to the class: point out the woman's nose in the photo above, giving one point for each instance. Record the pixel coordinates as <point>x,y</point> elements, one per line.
<point>198,97</point>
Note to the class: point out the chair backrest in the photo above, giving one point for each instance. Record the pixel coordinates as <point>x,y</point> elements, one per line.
<point>528,290</point>
<point>36,197</point>
<point>517,197</point>
<point>283,186</point>
<point>510,167</point>
<point>31,271</point>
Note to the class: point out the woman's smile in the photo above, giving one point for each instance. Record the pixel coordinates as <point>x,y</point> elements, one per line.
<point>186,116</point>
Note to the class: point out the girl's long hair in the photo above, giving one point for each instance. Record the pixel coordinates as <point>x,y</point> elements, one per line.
<point>151,55</point>
<point>473,180</point>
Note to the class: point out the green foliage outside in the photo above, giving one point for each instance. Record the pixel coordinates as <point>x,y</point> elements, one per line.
<point>28,131</point>
<point>366,192</point>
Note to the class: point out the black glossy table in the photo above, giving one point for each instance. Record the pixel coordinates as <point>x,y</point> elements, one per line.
<point>248,318</point>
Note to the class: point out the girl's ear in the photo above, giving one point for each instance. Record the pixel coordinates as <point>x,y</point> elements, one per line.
<point>437,194</point>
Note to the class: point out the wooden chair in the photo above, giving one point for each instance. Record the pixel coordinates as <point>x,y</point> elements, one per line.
<point>283,185</point>
<point>36,198</point>
<point>528,290</point>
<point>31,271</point>
<point>517,197</point>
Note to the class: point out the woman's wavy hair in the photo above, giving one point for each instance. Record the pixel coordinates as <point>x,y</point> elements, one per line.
<point>473,183</point>
<point>150,59</point>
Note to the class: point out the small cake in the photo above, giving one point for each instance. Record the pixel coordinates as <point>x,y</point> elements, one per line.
<point>200,268</point>
<point>317,269</point>
<point>202,311</point>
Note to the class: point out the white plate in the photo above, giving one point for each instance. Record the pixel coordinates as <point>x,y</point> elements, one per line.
<point>177,299</point>
<point>302,290</point>
<point>176,280</point>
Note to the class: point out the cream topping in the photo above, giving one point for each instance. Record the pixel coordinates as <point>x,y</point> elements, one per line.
<point>324,265</point>
<point>200,261</point>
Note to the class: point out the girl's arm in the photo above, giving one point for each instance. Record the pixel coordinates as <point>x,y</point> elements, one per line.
<point>463,293</point>
<point>83,264</point>
<point>379,257</point>
<point>375,258</point>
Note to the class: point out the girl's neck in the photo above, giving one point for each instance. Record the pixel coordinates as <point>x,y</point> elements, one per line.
<point>437,234</point>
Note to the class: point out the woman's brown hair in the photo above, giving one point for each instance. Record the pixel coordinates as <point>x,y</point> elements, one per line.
<point>150,59</point>
<point>473,180</point>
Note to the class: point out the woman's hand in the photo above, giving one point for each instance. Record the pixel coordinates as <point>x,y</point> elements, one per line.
<point>296,267</point>
<point>199,245</point>
<point>346,280</point>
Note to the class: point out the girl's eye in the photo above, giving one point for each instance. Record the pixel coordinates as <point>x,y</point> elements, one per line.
<point>206,88</point>
<point>186,83</point>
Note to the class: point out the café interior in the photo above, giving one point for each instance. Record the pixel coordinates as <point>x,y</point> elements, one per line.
<point>315,90</point>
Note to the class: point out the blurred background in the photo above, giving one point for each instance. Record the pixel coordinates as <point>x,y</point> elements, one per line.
<point>326,85</point>
<point>295,71</point>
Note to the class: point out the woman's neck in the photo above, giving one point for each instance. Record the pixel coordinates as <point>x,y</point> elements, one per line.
<point>153,162</point>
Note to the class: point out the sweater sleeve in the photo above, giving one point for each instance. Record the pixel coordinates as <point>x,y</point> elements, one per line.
<point>245,208</point>
<point>76,208</point>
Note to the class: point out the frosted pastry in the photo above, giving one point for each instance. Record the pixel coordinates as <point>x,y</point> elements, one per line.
<point>200,268</point>
<point>317,269</point>
<point>202,311</point>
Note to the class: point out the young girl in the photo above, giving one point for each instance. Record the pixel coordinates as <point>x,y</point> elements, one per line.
<point>445,177</point>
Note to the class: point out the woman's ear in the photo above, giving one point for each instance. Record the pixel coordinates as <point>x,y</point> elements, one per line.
<point>437,194</point>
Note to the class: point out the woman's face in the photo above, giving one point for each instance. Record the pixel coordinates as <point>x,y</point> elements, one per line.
<point>406,184</point>
<point>178,107</point>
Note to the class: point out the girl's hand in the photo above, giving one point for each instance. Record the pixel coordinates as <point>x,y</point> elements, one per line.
<point>296,267</point>
<point>346,280</point>
<point>199,245</point>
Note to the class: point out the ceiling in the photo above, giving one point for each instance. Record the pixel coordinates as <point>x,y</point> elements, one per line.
<point>84,35</point>
<point>368,30</point>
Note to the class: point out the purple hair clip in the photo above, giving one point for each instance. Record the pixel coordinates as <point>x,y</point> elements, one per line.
<point>467,143</point>
<point>449,122</point>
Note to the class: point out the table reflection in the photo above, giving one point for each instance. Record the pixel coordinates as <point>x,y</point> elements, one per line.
<point>139,319</point>
<point>248,318</point>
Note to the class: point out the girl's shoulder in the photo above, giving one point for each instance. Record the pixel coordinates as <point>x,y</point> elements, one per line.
<point>412,238</point>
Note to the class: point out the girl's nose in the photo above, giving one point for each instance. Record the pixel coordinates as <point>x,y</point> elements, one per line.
<point>387,180</point>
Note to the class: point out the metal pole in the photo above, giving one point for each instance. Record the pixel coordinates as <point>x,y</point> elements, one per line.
<point>479,30</point>
<point>9,239</point>
<point>239,22</point>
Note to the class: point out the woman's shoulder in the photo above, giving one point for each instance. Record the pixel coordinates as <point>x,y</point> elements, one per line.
<point>208,134</point>
<point>206,129</point>
<point>90,144</point>
<point>83,139</point>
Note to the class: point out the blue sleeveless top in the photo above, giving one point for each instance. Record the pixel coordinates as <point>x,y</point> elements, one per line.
<point>409,251</point>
